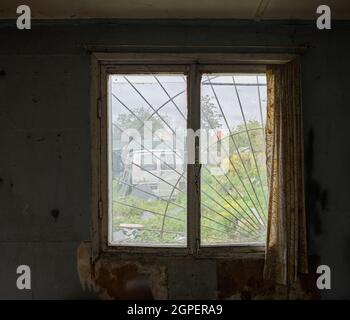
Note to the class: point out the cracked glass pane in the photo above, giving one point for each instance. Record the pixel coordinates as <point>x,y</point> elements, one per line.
<point>234,189</point>
<point>147,128</point>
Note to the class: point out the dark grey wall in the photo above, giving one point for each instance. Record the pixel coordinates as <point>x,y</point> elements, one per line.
<point>44,139</point>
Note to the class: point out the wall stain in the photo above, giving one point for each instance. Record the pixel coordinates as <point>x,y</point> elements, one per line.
<point>125,282</point>
<point>242,279</point>
<point>113,277</point>
<point>316,198</point>
<point>55,214</point>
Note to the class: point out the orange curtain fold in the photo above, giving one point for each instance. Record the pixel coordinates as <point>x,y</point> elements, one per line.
<point>286,253</point>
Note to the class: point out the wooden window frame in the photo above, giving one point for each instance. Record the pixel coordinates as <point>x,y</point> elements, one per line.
<point>193,65</point>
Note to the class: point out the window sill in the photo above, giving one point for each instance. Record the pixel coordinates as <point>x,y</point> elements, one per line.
<point>204,252</point>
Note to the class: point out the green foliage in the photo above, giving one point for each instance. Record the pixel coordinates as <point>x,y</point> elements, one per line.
<point>161,222</point>
<point>212,118</point>
<point>239,193</point>
<point>255,135</point>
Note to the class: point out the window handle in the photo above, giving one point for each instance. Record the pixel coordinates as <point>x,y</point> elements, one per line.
<point>197,246</point>
<point>197,172</point>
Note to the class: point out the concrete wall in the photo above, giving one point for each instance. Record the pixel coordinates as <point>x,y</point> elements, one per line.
<point>45,154</point>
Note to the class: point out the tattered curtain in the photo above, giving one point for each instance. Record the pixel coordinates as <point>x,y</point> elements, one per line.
<point>286,253</point>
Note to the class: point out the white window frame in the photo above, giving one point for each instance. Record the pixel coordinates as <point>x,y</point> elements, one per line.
<point>193,65</point>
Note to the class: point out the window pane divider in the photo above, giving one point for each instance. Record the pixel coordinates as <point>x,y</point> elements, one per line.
<point>193,174</point>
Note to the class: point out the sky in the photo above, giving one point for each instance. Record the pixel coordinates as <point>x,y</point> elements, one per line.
<point>124,88</point>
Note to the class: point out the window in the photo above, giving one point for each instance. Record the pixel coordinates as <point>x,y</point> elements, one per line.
<point>181,148</point>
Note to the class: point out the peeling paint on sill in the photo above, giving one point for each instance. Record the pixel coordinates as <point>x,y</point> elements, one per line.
<point>113,279</point>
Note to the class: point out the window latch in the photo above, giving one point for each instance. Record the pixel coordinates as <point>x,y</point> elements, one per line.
<point>197,165</point>
<point>197,246</point>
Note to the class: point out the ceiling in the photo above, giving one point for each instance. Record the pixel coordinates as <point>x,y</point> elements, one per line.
<point>175,9</point>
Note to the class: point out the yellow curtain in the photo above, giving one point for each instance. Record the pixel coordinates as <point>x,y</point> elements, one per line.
<point>286,254</point>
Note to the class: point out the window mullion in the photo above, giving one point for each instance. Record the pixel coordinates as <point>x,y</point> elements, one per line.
<point>193,176</point>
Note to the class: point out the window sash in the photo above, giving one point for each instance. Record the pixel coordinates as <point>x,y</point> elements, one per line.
<point>106,162</point>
